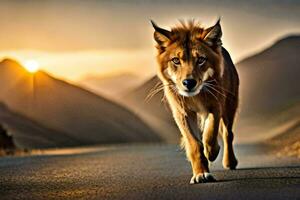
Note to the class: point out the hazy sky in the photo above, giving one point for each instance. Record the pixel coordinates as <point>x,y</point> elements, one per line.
<point>71,39</point>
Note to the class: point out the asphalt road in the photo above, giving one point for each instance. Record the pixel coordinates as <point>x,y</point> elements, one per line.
<point>145,172</point>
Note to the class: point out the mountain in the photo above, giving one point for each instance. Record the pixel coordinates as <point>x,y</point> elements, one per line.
<point>78,113</point>
<point>29,134</point>
<point>270,79</point>
<point>269,85</point>
<point>153,109</point>
<point>111,86</point>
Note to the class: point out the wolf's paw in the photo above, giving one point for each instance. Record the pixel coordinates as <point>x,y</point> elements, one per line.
<point>230,163</point>
<point>202,178</point>
<point>211,152</point>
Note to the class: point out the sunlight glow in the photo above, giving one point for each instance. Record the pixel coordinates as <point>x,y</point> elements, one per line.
<point>31,66</point>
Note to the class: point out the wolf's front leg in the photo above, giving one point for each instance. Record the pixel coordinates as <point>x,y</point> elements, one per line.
<point>193,146</point>
<point>210,137</point>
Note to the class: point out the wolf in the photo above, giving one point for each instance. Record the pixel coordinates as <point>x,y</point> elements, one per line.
<point>201,86</point>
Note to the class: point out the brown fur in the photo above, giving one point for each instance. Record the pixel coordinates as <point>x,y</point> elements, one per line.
<point>210,108</point>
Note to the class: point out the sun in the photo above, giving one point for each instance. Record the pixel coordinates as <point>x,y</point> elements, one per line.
<point>31,66</point>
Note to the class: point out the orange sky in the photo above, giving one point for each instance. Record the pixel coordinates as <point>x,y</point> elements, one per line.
<point>72,40</point>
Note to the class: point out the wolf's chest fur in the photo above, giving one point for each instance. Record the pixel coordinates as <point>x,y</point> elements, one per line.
<point>196,104</point>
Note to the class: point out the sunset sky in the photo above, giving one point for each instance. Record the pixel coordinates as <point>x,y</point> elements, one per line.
<point>74,39</point>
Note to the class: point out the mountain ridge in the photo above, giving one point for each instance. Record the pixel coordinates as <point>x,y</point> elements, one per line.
<point>87,117</point>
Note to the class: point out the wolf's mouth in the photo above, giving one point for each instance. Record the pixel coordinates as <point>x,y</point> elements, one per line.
<point>190,93</point>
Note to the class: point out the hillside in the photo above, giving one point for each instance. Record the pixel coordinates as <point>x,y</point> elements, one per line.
<point>270,79</point>
<point>29,134</point>
<point>154,110</point>
<point>111,86</point>
<point>67,108</point>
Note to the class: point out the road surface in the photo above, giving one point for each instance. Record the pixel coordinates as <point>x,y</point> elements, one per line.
<point>145,172</point>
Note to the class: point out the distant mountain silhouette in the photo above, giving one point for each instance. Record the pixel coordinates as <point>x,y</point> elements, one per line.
<point>111,86</point>
<point>27,133</point>
<point>269,84</point>
<point>78,113</point>
<point>154,110</point>
<point>270,79</point>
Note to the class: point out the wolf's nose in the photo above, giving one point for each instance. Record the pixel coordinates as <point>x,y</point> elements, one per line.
<point>189,83</point>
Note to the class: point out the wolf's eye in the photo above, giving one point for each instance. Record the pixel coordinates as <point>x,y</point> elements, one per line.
<point>176,61</point>
<point>201,60</point>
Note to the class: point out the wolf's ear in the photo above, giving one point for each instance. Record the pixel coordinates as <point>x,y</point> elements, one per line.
<point>213,35</point>
<point>161,36</point>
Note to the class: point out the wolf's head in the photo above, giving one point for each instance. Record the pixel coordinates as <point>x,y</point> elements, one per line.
<point>189,55</point>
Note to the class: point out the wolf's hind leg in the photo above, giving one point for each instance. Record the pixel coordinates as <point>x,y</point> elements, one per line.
<point>210,137</point>
<point>229,159</point>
